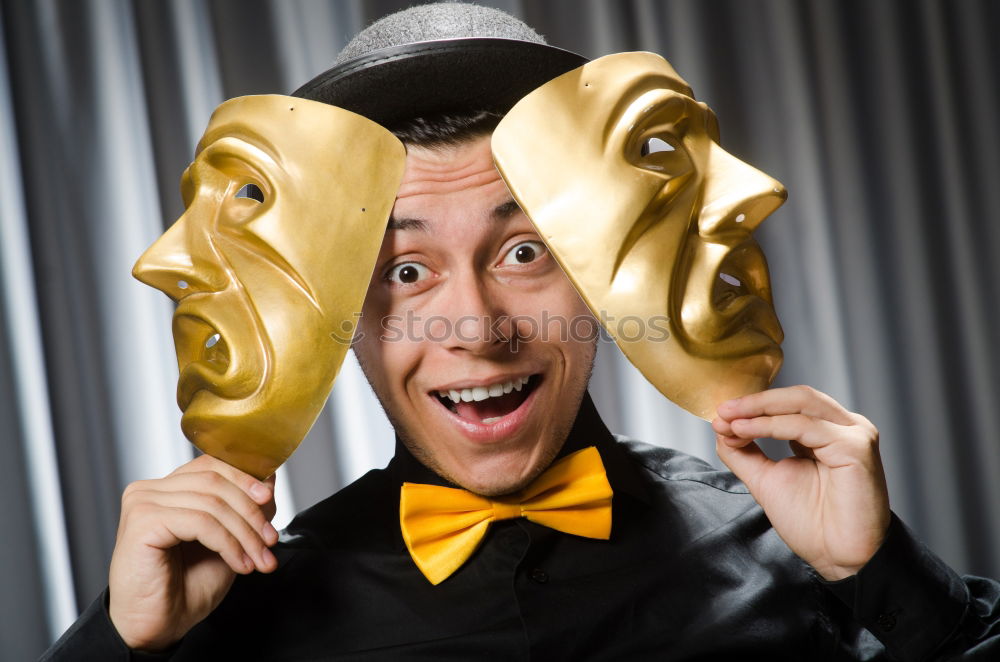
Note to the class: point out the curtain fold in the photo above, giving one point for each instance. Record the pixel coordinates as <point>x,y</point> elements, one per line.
<point>29,478</point>
<point>879,117</point>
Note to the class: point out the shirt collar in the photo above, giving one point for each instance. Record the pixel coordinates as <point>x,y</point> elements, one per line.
<point>588,430</point>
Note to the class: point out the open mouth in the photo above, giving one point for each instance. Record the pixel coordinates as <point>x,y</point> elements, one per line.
<point>727,289</point>
<point>216,352</point>
<point>200,342</point>
<point>490,403</point>
<point>738,276</point>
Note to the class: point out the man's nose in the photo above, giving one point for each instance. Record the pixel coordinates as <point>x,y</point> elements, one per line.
<point>475,315</point>
<point>738,197</point>
<point>180,262</point>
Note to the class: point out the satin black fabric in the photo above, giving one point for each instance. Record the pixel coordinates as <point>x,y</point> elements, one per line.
<point>693,571</point>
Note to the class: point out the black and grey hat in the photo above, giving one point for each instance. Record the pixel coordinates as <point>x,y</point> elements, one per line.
<point>439,58</point>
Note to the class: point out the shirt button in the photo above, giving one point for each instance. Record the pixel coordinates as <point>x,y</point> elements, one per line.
<point>539,576</point>
<point>887,622</point>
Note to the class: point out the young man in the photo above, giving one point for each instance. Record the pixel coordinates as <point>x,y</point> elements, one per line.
<point>691,566</point>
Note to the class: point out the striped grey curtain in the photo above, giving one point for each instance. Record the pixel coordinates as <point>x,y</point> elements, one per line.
<point>880,116</point>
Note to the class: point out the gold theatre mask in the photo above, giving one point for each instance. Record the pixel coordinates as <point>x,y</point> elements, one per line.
<point>621,171</point>
<point>286,204</point>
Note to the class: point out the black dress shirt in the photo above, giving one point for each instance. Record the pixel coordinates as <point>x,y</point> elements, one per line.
<point>692,571</point>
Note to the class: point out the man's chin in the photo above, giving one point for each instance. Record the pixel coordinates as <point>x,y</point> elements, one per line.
<point>491,487</point>
<point>492,473</point>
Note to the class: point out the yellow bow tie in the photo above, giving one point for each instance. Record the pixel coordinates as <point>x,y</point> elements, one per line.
<point>442,526</point>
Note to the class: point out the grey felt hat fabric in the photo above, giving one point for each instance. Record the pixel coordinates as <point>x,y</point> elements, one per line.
<point>437,58</point>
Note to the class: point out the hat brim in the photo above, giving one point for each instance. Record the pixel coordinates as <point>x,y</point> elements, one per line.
<point>421,79</point>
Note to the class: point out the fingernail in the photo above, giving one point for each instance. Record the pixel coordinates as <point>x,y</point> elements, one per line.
<point>260,492</point>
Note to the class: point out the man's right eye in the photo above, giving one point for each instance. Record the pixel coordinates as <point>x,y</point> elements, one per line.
<point>407,273</point>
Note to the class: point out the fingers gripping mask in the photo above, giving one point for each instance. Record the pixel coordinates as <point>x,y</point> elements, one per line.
<point>286,205</point>
<point>621,172</point>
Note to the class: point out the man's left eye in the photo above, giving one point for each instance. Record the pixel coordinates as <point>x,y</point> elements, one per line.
<point>525,252</point>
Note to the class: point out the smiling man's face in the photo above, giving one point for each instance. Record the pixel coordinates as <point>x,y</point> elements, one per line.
<point>455,308</point>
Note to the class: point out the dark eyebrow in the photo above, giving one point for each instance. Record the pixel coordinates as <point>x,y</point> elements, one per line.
<point>406,224</point>
<point>506,210</point>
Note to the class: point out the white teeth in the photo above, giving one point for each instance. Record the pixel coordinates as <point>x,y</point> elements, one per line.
<point>212,341</point>
<point>479,393</point>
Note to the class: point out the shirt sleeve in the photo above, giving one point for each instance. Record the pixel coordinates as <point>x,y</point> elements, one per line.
<point>919,608</point>
<point>94,637</point>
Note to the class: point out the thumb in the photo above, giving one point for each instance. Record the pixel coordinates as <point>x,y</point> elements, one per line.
<point>270,508</point>
<point>746,461</point>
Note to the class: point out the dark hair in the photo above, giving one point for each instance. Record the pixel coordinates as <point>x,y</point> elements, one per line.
<point>446,129</point>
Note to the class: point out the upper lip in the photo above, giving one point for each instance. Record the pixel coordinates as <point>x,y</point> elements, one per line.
<point>473,383</point>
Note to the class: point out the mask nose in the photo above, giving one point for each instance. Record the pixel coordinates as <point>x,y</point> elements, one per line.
<point>179,263</point>
<point>738,197</point>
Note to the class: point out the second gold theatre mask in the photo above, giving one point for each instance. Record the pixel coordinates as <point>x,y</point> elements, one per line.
<point>286,204</point>
<point>621,171</point>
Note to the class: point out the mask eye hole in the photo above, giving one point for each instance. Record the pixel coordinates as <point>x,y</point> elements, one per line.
<point>654,145</point>
<point>251,191</point>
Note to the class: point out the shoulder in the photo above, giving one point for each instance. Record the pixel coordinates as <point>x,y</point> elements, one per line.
<point>691,494</point>
<point>706,512</point>
<point>358,521</point>
<point>672,465</point>
<point>363,508</point>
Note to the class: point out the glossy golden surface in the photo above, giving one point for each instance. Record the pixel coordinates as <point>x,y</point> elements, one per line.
<point>621,172</point>
<point>269,281</point>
